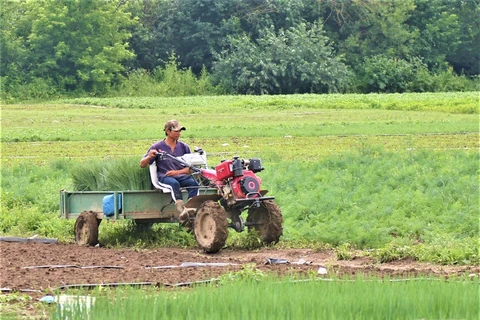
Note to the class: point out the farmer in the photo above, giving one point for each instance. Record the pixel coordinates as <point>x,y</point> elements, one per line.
<point>172,175</point>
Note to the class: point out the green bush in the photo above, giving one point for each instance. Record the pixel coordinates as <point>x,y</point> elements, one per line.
<point>385,74</point>
<point>297,60</point>
<point>169,81</point>
<point>16,90</point>
<point>446,80</point>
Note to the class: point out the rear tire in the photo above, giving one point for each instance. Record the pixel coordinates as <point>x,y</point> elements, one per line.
<point>267,221</point>
<point>86,229</point>
<point>211,226</point>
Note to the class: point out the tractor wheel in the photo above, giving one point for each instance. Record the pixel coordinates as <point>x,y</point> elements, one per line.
<point>211,226</point>
<point>86,228</point>
<point>267,221</point>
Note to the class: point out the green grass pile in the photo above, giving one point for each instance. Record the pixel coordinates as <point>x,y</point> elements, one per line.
<point>110,175</point>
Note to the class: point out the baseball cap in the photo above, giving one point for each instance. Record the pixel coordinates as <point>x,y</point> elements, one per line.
<point>173,125</point>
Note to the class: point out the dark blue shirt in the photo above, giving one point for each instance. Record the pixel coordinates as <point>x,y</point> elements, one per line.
<point>167,164</point>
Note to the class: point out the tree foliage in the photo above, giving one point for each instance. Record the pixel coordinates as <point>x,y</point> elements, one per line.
<point>375,27</point>
<point>465,58</point>
<point>51,47</point>
<point>297,60</point>
<point>383,74</point>
<point>441,32</point>
<point>73,45</point>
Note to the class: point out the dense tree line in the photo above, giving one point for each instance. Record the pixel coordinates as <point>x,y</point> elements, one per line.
<point>56,47</point>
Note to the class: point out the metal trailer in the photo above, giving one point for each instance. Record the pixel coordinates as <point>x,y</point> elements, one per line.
<point>143,206</point>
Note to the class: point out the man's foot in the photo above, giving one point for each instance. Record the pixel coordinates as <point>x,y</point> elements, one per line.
<point>185,218</point>
<point>180,205</point>
<point>187,213</point>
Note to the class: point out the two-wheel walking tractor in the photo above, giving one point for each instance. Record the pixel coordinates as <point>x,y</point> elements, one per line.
<point>225,192</point>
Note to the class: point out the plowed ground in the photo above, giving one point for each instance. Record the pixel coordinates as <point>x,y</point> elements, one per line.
<point>45,268</point>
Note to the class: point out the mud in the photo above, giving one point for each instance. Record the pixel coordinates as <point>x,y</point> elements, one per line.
<point>46,268</point>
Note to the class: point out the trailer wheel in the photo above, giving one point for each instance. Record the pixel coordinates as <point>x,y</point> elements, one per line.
<point>267,221</point>
<point>211,226</point>
<point>86,228</point>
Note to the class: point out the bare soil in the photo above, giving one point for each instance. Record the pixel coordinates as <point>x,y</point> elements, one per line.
<point>46,268</point>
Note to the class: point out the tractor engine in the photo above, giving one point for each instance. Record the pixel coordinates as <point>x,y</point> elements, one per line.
<point>238,178</point>
<point>247,186</point>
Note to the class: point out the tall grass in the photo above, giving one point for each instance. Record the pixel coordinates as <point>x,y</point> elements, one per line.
<point>274,298</point>
<point>21,218</point>
<point>110,175</point>
<point>28,184</point>
<point>373,197</point>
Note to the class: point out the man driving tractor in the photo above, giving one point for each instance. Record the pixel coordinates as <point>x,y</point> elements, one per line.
<point>172,175</point>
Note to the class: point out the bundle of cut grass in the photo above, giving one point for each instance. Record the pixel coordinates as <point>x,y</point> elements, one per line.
<point>126,174</point>
<point>88,176</point>
<point>112,175</point>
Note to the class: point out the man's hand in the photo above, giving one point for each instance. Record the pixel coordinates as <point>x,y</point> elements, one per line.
<point>152,154</point>
<point>172,173</point>
<point>149,157</point>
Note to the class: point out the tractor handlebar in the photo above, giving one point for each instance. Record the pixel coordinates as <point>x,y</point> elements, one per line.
<point>161,155</point>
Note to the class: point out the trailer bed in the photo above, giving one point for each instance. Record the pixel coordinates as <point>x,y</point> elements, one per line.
<point>149,205</point>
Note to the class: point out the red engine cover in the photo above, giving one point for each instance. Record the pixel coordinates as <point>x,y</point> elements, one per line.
<point>224,170</point>
<point>209,174</point>
<point>249,183</point>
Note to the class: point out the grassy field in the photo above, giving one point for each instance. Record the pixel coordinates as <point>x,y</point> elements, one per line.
<point>273,298</point>
<point>242,117</point>
<point>394,176</point>
<point>383,172</point>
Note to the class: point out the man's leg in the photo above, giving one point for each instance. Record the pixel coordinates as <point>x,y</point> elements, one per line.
<point>176,183</point>
<point>190,184</point>
<point>175,186</point>
<point>192,187</point>
<point>176,193</point>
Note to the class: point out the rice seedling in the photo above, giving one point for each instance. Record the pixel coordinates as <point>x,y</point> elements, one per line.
<point>268,297</point>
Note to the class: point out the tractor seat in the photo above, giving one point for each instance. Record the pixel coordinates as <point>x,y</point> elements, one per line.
<point>154,179</point>
<point>197,159</point>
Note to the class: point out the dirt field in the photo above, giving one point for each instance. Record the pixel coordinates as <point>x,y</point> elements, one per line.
<point>46,267</point>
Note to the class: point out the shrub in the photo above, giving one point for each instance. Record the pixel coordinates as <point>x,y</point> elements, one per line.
<point>169,81</point>
<point>388,75</point>
<point>384,74</point>
<point>297,60</point>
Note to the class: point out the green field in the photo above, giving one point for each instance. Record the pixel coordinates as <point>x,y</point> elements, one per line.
<point>394,173</point>
<point>273,298</point>
<point>386,176</point>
